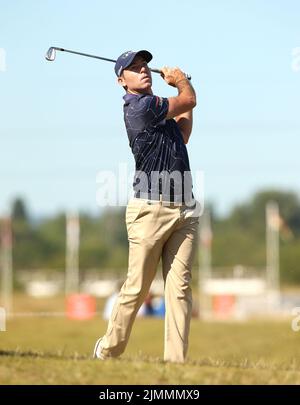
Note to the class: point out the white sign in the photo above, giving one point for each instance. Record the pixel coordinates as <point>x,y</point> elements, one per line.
<point>2,60</point>
<point>2,320</point>
<point>296,59</point>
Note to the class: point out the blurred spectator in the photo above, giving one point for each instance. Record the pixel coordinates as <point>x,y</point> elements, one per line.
<point>159,308</point>
<point>145,310</point>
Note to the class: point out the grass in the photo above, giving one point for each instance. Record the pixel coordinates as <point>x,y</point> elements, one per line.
<point>58,351</point>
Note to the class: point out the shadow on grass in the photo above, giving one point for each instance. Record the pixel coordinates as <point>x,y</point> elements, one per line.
<point>205,362</point>
<point>44,355</point>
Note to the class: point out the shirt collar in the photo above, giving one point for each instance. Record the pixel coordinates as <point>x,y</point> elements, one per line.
<point>129,97</point>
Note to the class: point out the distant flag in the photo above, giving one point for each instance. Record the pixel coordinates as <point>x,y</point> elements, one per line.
<point>6,234</point>
<point>206,235</point>
<point>6,263</point>
<point>276,222</point>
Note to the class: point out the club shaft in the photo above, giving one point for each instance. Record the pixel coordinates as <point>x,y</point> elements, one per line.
<point>106,59</point>
<point>84,54</point>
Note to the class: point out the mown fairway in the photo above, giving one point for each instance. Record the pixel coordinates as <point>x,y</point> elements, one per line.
<point>58,351</point>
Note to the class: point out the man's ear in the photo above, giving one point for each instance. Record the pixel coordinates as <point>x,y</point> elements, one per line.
<point>121,81</point>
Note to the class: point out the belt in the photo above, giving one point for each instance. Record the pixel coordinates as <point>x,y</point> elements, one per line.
<point>159,200</point>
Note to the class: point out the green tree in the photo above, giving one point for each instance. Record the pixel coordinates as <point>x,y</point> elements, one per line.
<point>19,210</point>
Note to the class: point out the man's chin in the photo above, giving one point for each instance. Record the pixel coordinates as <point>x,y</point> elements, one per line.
<point>143,89</point>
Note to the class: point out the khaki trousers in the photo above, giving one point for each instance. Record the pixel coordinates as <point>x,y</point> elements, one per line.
<point>156,230</point>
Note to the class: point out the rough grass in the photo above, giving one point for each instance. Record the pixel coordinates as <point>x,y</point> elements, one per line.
<point>58,351</point>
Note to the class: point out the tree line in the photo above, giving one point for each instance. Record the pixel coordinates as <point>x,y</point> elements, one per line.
<point>238,238</point>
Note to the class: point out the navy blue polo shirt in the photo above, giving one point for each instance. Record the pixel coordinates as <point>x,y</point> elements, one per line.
<point>161,158</point>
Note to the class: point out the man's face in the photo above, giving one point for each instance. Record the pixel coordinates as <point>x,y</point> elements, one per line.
<point>137,77</point>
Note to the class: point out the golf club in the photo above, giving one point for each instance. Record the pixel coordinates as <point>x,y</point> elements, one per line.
<point>51,55</point>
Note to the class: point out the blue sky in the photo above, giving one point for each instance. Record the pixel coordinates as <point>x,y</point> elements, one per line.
<point>61,122</point>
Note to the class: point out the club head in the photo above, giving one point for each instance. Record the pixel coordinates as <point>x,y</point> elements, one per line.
<point>51,54</point>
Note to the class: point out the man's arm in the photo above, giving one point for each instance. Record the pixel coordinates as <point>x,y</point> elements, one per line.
<point>185,124</point>
<point>186,98</point>
<point>181,107</point>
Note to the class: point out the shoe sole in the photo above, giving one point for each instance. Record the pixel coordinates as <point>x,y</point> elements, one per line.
<point>95,356</point>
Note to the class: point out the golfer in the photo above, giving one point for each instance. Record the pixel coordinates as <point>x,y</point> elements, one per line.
<point>162,217</point>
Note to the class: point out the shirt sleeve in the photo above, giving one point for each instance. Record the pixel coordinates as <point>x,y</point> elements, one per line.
<point>152,109</point>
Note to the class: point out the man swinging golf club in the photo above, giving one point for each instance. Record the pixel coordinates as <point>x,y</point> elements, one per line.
<point>161,219</point>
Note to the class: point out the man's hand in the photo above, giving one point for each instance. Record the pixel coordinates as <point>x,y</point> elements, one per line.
<point>172,75</point>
